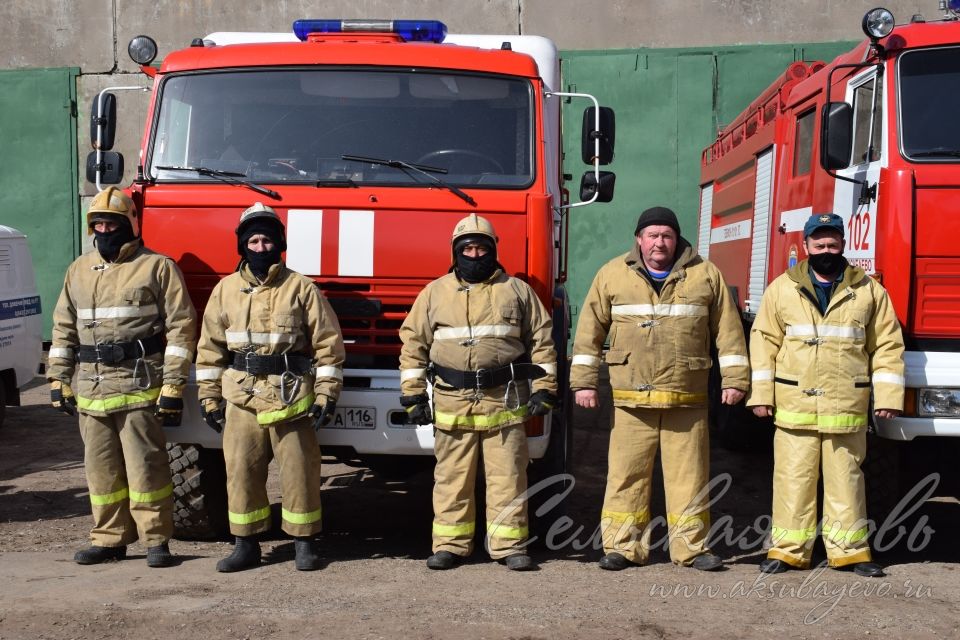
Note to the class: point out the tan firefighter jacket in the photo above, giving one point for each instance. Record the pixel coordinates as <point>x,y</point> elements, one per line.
<point>470,327</point>
<point>138,296</point>
<point>659,352</point>
<point>286,314</point>
<point>817,370</point>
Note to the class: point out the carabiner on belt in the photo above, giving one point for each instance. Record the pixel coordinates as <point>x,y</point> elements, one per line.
<point>289,383</point>
<point>512,384</point>
<point>141,362</point>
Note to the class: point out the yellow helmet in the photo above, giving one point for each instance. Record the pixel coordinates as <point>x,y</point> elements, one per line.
<point>111,203</point>
<point>468,229</point>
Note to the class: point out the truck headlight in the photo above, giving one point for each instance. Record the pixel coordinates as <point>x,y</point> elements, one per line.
<point>939,402</point>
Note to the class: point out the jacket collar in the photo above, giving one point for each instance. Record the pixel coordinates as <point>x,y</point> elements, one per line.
<point>275,274</point>
<point>127,251</point>
<point>685,256</point>
<point>800,274</point>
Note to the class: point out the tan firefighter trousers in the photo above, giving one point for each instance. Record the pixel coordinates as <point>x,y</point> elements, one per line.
<point>505,459</point>
<point>685,456</point>
<point>798,455</point>
<point>248,448</point>
<point>128,474</point>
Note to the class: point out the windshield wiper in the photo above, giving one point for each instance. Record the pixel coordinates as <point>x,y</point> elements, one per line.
<point>231,177</point>
<point>933,153</point>
<point>421,169</point>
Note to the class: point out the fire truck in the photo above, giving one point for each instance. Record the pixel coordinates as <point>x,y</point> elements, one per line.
<point>867,137</point>
<point>370,138</point>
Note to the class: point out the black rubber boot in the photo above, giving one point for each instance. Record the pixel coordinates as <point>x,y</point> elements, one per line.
<point>443,560</point>
<point>246,555</point>
<point>771,565</point>
<point>519,562</point>
<point>614,561</point>
<point>307,555</point>
<point>160,556</point>
<point>96,555</point>
<point>707,562</point>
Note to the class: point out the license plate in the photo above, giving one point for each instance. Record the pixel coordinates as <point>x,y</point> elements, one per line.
<point>354,418</point>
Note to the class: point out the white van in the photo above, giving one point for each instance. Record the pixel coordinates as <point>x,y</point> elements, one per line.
<point>21,325</point>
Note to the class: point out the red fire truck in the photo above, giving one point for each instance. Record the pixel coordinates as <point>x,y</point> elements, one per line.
<point>370,139</point>
<point>866,136</point>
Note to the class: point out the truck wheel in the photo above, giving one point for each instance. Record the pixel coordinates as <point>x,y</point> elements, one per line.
<point>199,492</point>
<point>882,476</point>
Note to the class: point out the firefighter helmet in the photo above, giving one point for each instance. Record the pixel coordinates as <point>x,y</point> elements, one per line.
<point>471,229</point>
<point>260,215</point>
<point>110,204</point>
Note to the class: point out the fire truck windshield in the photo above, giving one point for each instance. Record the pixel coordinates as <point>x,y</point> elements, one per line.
<point>929,101</point>
<point>295,126</point>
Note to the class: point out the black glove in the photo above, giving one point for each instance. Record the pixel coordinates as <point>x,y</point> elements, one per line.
<point>62,398</point>
<point>418,409</point>
<point>541,403</point>
<point>322,415</point>
<point>213,414</point>
<point>170,405</point>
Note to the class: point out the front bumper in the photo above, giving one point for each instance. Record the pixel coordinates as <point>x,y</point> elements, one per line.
<point>925,369</point>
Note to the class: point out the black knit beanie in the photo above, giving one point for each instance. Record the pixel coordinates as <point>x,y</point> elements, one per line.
<point>659,216</point>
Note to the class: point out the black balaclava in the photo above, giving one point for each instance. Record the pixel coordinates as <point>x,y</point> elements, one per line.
<point>109,243</point>
<point>827,264</point>
<point>475,269</point>
<point>261,261</point>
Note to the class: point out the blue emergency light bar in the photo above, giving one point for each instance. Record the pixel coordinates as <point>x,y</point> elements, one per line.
<point>954,5</point>
<point>409,30</point>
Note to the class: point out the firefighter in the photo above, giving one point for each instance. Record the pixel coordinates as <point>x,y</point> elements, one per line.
<point>480,336</point>
<point>270,346</point>
<point>126,327</point>
<point>663,308</point>
<point>824,334</point>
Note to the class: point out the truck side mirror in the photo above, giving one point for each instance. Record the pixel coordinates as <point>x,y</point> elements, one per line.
<point>606,134</point>
<point>588,186</point>
<point>836,135</point>
<point>111,167</point>
<point>105,121</point>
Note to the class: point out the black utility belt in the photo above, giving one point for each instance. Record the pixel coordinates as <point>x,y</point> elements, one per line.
<point>257,365</point>
<point>489,378</point>
<point>117,352</point>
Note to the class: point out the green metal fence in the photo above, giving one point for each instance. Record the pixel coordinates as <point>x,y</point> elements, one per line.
<point>38,171</point>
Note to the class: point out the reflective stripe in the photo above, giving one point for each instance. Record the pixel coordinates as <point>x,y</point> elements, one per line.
<point>178,352</point>
<point>65,353</point>
<point>103,499</point>
<point>454,530</point>
<point>796,536</point>
<point>838,535</point>
<point>330,372</point>
<point>409,374</point>
<point>250,337</point>
<point>119,401</point>
<point>250,517</point>
<point>479,331</point>
<point>660,397</point>
<point>492,420</point>
<point>890,378</point>
<point>685,519</point>
<point>300,518</point>
<point>211,373</point>
<point>824,331</point>
<point>271,417</point>
<point>151,496</point>
<point>761,375</point>
<point>691,310</point>
<point>507,533</point>
<point>587,361</point>
<point>105,313</point>
<point>827,422</point>
<point>551,369</point>
<point>625,516</point>
<point>733,361</point>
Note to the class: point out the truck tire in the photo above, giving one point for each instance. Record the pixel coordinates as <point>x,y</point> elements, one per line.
<point>882,471</point>
<point>199,492</point>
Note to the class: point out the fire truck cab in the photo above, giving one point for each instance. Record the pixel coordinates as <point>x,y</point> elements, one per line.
<point>370,139</point>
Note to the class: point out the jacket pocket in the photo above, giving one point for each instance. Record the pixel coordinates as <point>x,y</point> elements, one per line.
<point>511,315</point>
<point>287,322</point>
<point>137,296</point>
<point>620,375</point>
<point>698,364</point>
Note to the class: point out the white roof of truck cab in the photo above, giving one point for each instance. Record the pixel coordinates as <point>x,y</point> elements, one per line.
<point>10,232</point>
<point>541,49</point>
